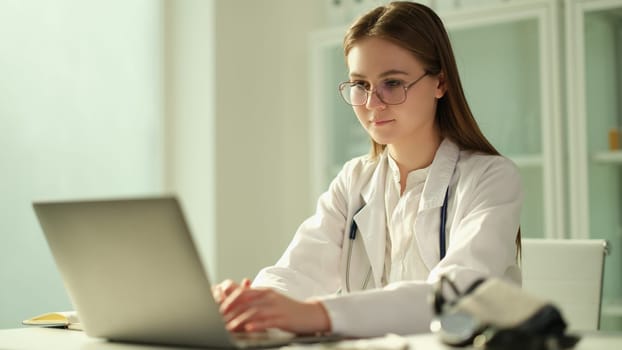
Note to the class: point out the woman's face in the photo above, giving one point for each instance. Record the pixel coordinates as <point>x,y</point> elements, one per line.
<point>375,63</point>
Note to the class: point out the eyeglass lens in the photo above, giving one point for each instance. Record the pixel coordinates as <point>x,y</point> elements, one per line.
<point>389,92</point>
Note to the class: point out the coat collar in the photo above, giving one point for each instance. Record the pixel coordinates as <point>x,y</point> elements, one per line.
<point>371,218</point>
<point>437,182</point>
<point>376,182</point>
<point>439,177</point>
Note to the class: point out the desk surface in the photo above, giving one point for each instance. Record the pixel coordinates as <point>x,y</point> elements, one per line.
<point>50,338</point>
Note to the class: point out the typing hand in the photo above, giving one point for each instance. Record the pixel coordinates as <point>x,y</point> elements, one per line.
<point>258,309</point>
<point>222,290</point>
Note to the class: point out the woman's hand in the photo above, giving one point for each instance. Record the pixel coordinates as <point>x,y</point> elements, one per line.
<point>254,310</point>
<point>222,290</point>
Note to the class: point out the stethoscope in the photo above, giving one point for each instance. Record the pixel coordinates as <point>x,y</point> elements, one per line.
<point>354,229</point>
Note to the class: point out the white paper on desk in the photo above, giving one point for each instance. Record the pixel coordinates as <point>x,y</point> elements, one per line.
<point>388,342</point>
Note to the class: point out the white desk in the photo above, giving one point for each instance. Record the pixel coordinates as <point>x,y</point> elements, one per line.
<point>50,338</point>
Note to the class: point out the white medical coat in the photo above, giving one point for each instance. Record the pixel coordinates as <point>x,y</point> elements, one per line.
<point>485,198</point>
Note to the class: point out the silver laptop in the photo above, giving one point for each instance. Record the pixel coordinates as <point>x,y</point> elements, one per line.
<point>133,273</point>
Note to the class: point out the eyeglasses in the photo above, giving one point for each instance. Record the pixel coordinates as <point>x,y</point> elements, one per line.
<point>390,92</point>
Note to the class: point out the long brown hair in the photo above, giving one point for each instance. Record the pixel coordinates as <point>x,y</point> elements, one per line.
<point>418,29</point>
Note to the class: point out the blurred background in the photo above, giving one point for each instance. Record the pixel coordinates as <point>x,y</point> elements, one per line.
<point>232,106</point>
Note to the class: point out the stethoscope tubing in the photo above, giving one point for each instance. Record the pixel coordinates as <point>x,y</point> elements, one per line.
<point>351,238</point>
<point>354,228</point>
<point>441,235</point>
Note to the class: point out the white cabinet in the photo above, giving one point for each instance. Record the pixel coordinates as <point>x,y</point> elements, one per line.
<point>544,80</point>
<point>594,80</point>
<point>507,57</point>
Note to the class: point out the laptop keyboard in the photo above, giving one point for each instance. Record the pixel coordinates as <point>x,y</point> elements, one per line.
<point>273,337</point>
<point>271,334</point>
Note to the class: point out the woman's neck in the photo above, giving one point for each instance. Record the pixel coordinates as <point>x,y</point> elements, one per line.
<point>416,154</point>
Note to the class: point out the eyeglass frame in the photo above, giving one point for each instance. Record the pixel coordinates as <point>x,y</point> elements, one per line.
<point>343,84</point>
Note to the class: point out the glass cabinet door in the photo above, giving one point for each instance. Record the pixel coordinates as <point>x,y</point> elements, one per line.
<point>594,51</point>
<point>507,64</point>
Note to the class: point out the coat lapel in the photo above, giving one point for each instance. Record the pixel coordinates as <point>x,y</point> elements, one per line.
<point>427,225</point>
<point>371,219</point>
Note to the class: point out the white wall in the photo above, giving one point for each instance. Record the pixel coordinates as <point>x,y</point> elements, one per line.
<point>238,149</point>
<point>262,128</point>
<point>81,115</point>
<point>190,106</point>
<point>205,99</point>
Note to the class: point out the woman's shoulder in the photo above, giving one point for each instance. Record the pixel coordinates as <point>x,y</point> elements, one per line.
<point>360,164</point>
<point>474,161</point>
<point>493,175</point>
<point>358,170</point>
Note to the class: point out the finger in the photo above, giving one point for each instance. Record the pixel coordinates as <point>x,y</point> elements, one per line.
<point>239,298</point>
<point>288,315</point>
<point>257,314</point>
<point>237,323</point>
<point>256,319</point>
<point>221,290</point>
<point>228,287</point>
<point>218,294</point>
<point>263,307</point>
<point>231,286</point>
<point>260,298</point>
<point>260,324</point>
<point>225,284</point>
<point>237,309</point>
<point>233,300</point>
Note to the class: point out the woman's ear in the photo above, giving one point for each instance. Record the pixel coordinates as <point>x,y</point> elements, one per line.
<point>441,87</point>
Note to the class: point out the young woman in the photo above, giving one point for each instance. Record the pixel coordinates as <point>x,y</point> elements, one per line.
<point>432,198</point>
